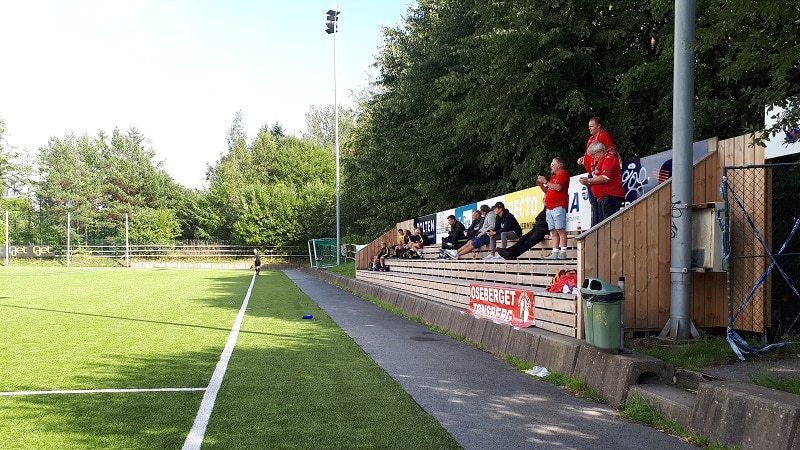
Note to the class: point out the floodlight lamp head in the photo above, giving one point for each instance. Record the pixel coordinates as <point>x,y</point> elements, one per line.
<point>333,12</point>
<point>331,27</point>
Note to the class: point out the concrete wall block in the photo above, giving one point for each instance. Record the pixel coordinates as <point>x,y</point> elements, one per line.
<point>461,322</point>
<point>523,344</point>
<point>495,337</point>
<point>406,302</point>
<point>557,353</point>
<point>390,296</point>
<point>418,308</point>
<point>474,331</point>
<point>433,313</point>
<point>448,317</point>
<point>374,291</point>
<point>612,373</point>
<point>746,415</point>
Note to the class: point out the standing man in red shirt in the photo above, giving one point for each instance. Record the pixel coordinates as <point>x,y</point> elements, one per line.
<point>605,181</point>
<point>596,134</point>
<point>556,198</point>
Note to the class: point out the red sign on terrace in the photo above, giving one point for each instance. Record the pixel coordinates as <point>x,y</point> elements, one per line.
<point>501,304</point>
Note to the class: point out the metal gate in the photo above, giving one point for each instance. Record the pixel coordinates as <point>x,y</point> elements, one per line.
<point>761,242</point>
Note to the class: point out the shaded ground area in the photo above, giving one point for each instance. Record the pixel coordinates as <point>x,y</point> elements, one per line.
<point>483,402</point>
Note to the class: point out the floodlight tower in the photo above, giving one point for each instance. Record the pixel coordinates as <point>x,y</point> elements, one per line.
<point>332,26</point>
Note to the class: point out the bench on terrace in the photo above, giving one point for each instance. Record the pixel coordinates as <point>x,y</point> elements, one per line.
<point>447,281</point>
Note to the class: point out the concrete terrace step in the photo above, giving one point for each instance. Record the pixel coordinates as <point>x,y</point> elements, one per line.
<point>525,273</point>
<point>553,311</point>
<point>671,401</point>
<point>536,253</point>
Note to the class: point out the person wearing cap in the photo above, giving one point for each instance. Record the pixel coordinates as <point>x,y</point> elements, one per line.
<point>481,239</point>
<point>605,182</point>
<point>506,227</point>
<point>528,240</point>
<point>556,198</point>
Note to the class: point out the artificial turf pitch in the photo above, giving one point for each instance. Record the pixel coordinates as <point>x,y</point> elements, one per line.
<point>120,358</point>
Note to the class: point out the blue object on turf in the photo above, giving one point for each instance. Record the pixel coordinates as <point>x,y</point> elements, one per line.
<point>308,316</point>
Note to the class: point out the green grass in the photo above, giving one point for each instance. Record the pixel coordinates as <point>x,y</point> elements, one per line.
<point>693,356</point>
<point>290,383</point>
<point>575,385</point>
<point>785,384</point>
<point>636,409</point>
<point>347,269</point>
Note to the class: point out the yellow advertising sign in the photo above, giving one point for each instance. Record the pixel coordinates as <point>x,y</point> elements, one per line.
<point>525,205</point>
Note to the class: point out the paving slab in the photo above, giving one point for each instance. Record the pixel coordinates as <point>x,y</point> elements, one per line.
<point>483,402</point>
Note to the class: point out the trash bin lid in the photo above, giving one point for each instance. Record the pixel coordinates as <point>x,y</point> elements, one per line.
<point>599,287</point>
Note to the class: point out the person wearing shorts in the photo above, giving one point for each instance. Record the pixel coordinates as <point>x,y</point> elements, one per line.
<point>481,239</point>
<point>556,198</point>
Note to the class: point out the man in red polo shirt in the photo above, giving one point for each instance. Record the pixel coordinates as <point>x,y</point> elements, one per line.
<point>596,134</point>
<point>605,181</point>
<point>556,199</point>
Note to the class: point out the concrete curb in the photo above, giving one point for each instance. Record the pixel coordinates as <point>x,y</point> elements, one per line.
<point>748,415</point>
<point>733,413</point>
<point>613,374</point>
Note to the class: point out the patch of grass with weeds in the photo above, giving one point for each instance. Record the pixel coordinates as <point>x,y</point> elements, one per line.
<point>574,385</point>
<point>520,364</point>
<point>347,269</point>
<point>636,409</point>
<point>785,384</point>
<point>693,356</point>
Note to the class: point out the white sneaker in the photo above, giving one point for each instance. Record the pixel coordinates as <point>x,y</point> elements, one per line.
<point>452,254</point>
<point>498,258</point>
<point>488,257</point>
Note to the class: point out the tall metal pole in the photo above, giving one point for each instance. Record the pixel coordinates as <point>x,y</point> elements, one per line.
<point>127,243</point>
<point>7,249</point>
<point>680,325</point>
<point>69,236</point>
<point>336,144</point>
<point>333,28</point>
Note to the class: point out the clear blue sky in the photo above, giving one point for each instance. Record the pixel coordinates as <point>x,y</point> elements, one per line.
<point>179,70</point>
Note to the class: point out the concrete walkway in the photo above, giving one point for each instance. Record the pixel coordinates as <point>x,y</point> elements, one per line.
<point>483,402</point>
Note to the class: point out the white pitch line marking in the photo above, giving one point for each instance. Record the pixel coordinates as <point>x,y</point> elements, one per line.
<point>195,438</point>
<point>97,391</point>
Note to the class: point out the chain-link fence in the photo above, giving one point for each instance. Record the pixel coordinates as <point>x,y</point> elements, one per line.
<point>762,245</point>
<point>32,237</point>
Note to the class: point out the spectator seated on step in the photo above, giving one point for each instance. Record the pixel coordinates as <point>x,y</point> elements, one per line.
<point>481,238</point>
<point>400,248</point>
<point>383,254</point>
<point>506,227</point>
<point>401,241</point>
<point>417,241</point>
<point>528,240</point>
<point>456,235</point>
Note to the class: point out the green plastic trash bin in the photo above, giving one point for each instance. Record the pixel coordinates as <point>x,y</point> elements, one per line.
<point>602,313</point>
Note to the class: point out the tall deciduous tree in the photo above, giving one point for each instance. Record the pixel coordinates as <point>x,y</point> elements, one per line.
<point>320,124</point>
<point>277,190</point>
<point>754,48</point>
<point>100,180</point>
